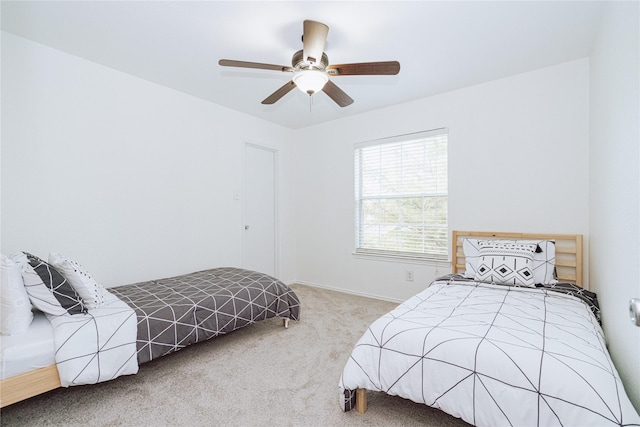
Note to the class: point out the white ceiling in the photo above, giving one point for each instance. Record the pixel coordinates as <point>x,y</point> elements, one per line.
<point>441,46</point>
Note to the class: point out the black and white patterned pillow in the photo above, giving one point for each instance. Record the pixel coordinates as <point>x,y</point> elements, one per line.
<point>544,258</point>
<point>48,290</point>
<point>506,263</point>
<point>91,292</point>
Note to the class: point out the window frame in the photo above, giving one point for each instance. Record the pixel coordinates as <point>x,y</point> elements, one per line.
<point>394,255</point>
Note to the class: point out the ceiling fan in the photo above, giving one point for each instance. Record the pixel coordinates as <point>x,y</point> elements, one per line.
<point>311,69</point>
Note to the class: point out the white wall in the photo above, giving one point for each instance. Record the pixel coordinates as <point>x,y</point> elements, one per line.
<point>614,151</point>
<point>133,180</point>
<point>517,162</point>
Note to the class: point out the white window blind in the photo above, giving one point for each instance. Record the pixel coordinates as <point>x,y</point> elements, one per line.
<point>401,196</point>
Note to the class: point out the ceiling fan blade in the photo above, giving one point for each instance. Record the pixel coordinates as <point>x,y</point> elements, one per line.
<point>258,65</point>
<point>385,68</point>
<point>313,40</point>
<point>275,96</point>
<point>337,94</point>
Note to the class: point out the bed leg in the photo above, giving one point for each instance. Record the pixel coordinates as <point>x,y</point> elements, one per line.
<point>285,322</point>
<point>361,400</point>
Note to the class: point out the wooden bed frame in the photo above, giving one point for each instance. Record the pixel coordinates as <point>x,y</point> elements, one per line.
<point>569,266</point>
<point>33,383</point>
<point>29,384</point>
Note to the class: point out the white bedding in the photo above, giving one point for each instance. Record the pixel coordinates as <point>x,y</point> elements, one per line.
<point>97,346</point>
<point>32,350</point>
<point>492,355</point>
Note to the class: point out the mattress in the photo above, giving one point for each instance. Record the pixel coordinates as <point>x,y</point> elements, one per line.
<point>171,314</point>
<point>494,355</point>
<point>179,311</point>
<point>33,350</point>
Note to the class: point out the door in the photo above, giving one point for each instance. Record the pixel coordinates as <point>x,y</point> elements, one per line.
<point>259,245</point>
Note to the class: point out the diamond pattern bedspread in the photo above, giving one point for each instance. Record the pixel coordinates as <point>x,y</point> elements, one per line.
<point>492,355</point>
<point>95,346</point>
<point>175,312</point>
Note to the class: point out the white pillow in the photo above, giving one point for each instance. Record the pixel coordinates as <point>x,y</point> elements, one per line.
<point>15,307</point>
<point>91,292</point>
<point>506,263</point>
<point>544,261</point>
<point>471,250</point>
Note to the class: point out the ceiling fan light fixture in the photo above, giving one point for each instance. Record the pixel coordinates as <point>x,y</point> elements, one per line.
<point>310,81</point>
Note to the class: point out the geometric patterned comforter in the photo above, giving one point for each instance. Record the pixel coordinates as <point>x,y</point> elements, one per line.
<point>492,355</point>
<point>95,346</point>
<point>175,312</point>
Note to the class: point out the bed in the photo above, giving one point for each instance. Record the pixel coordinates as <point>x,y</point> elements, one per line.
<point>135,324</point>
<point>494,352</point>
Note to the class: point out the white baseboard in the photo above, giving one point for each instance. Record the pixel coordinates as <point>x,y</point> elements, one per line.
<point>346,291</point>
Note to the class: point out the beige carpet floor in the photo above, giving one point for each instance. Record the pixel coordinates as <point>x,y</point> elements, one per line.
<point>260,375</point>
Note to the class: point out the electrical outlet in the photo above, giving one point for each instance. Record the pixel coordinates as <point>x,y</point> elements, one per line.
<point>409,276</point>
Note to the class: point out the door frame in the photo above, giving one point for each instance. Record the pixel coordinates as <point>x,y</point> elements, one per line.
<point>276,220</point>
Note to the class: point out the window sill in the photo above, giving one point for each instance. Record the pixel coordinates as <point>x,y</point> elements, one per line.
<point>402,259</point>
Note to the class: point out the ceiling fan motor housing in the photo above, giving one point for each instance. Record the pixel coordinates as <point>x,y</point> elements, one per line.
<point>298,62</point>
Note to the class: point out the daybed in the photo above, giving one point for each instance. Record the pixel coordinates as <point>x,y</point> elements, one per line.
<point>507,343</point>
<point>135,324</point>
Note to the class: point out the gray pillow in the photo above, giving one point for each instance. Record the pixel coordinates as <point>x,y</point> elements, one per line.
<point>48,290</point>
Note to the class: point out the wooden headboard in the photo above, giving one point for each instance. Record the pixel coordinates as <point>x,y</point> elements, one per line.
<point>568,251</point>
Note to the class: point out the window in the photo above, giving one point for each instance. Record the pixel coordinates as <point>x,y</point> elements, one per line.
<point>401,196</point>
